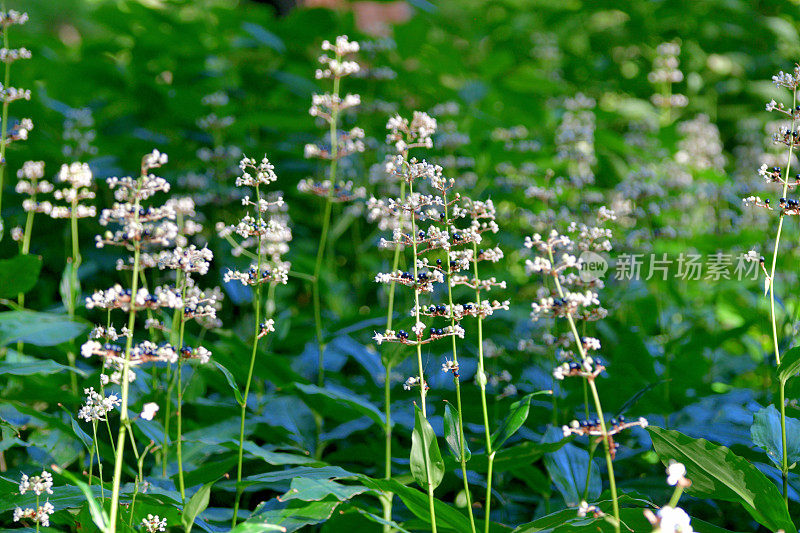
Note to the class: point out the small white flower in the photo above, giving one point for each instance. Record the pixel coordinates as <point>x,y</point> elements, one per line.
<point>675,473</point>
<point>149,410</point>
<point>674,520</point>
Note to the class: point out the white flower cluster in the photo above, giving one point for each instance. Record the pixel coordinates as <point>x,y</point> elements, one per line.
<point>41,484</point>
<point>267,231</point>
<point>154,524</point>
<point>405,134</point>
<point>789,80</point>
<point>337,66</point>
<point>40,515</point>
<point>190,259</point>
<point>256,173</point>
<point>97,406</point>
<point>79,178</point>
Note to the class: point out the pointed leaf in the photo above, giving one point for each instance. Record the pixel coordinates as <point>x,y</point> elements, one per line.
<point>718,473</point>
<point>99,516</point>
<point>417,503</point>
<point>568,467</point>
<point>453,435</point>
<point>515,419</point>
<point>308,489</point>
<point>790,364</point>
<point>424,439</point>
<point>39,329</point>
<point>231,382</point>
<point>766,434</point>
<point>338,398</point>
<point>196,505</point>
<point>19,274</point>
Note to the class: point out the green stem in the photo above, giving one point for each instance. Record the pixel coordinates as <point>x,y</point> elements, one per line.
<point>481,377</point>
<point>598,407</point>
<point>782,391</point>
<point>26,245</point>
<point>257,305</point>
<point>422,385</point>
<point>124,422</point>
<point>456,379</point>
<point>323,240</point>
<point>179,347</point>
<point>387,498</point>
<point>4,128</point>
<point>99,463</point>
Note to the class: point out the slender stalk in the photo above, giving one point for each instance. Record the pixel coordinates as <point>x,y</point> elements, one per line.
<point>422,385</point>
<point>99,464</point>
<point>387,497</point>
<point>138,479</point>
<point>4,128</point>
<point>26,244</point>
<point>37,510</point>
<point>323,240</point>
<point>73,284</point>
<point>179,347</point>
<point>456,379</point>
<point>482,383</point>
<point>124,422</point>
<point>243,403</point>
<point>782,389</point>
<point>598,407</point>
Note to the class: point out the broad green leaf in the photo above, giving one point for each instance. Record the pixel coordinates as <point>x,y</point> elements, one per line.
<point>196,505</point>
<point>231,382</point>
<point>308,489</point>
<point>337,398</point>
<point>568,467</point>
<point>38,366</point>
<point>453,435</point>
<point>790,364</point>
<point>417,503</point>
<point>718,473</point>
<point>99,516</point>
<point>294,515</point>
<point>256,527</point>
<point>19,274</point>
<point>515,419</point>
<point>324,472</point>
<point>271,457</point>
<point>39,329</point>
<point>425,454</point>
<point>766,434</point>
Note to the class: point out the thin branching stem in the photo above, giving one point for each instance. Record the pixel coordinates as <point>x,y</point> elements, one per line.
<point>598,407</point>
<point>781,385</point>
<point>456,379</point>
<point>422,384</point>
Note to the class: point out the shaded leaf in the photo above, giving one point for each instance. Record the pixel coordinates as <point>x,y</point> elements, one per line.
<point>38,366</point>
<point>718,473</point>
<point>19,274</point>
<point>766,434</point>
<point>339,397</point>
<point>425,454</point>
<point>453,434</point>
<point>39,329</point>
<point>232,382</point>
<point>196,505</point>
<point>790,364</point>
<point>308,489</point>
